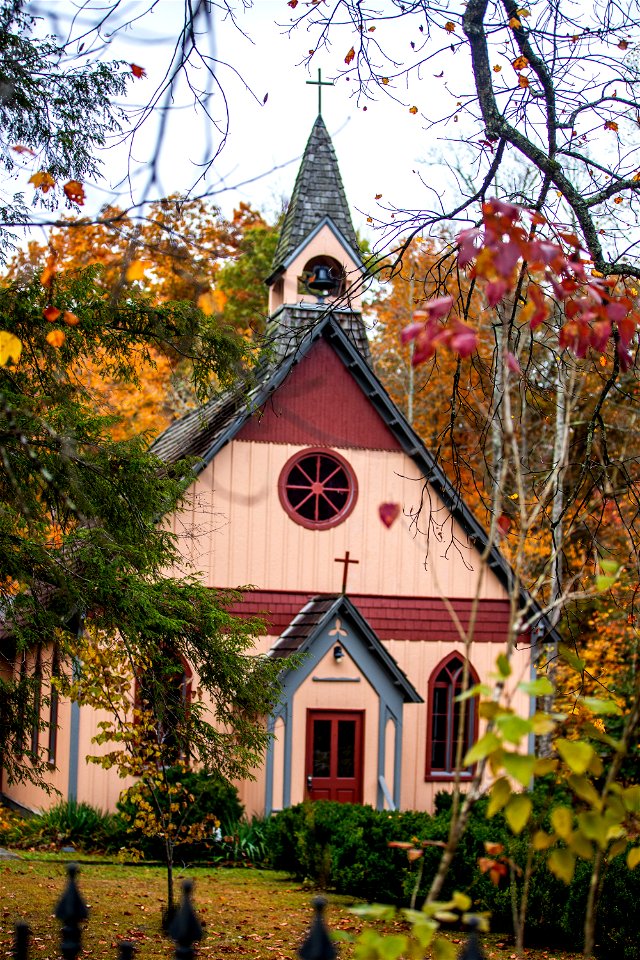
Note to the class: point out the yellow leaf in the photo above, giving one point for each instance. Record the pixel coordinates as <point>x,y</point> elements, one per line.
<point>42,181</point>
<point>55,338</point>
<point>500,793</point>
<point>541,840</point>
<point>611,125</point>
<point>385,81</point>
<point>413,110</point>
<point>497,68</point>
<point>562,821</point>
<point>70,318</point>
<point>633,858</point>
<point>10,348</point>
<point>562,864</point>
<point>520,63</point>
<point>517,812</point>
<point>523,82</point>
<point>514,23</point>
<point>135,270</point>
<point>450,27</point>
<point>576,755</point>
<point>523,12</point>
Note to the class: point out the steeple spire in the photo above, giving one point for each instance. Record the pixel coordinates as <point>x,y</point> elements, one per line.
<point>318,193</point>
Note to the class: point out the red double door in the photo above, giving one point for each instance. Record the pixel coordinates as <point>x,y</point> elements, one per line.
<point>334,755</point>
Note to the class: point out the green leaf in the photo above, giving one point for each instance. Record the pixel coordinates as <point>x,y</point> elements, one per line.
<point>604,583</point>
<point>600,706</point>
<point>503,665</point>
<point>443,949</point>
<point>500,793</point>
<point>517,812</point>
<point>609,567</point>
<point>595,827</point>
<point>461,901</point>
<point>513,728</point>
<point>544,766</point>
<point>562,864</point>
<point>631,798</point>
<point>477,690</point>
<point>519,766</point>
<point>542,687</point>
<point>374,911</point>
<point>542,723</point>
<point>583,788</point>
<point>481,749</point>
<point>562,821</point>
<point>424,931</point>
<point>575,754</point>
<point>571,657</point>
<point>581,845</point>
<point>392,946</point>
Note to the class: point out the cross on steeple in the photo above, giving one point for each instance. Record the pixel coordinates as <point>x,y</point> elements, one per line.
<point>346,560</point>
<point>320,83</point>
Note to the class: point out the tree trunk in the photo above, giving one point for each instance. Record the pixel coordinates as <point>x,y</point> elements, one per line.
<point>591,911</point>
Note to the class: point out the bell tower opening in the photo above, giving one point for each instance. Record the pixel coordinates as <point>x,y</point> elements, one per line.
<point>322,276</point>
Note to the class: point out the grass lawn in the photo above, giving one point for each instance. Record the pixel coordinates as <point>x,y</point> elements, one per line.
<point>253,914</point>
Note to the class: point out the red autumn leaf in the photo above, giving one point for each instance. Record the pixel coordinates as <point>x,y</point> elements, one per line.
<point>71,319</point>
<point>293,4</point>
<point>51,313</point>
<point>495,291</point>
<point>450,27</point>
<point>523,82</point>
<point>512,362</point>
<point>413,110</point>
<point>400,844</point>
<point>350,56</point>
<point>611,125</point>
<point>623,45</point>
<point>493,848</point>
<point>463,339</point>
<point>137,71</point>
<point>389,513</point>
<point>74,191</point>
<point>20,148</point>
<point>504,524</point>
<point>520,63</point>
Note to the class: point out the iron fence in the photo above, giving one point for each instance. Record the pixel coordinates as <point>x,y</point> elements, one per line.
<point>184,929</point>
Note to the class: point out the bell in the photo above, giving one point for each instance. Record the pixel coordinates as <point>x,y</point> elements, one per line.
<point>321,282</point>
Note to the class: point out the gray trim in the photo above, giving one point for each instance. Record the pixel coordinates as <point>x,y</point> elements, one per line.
<point>373,661</point>
<point>326,221</point>
<point>74,739</point>
<point>384,787</point>
<point>336,679</point>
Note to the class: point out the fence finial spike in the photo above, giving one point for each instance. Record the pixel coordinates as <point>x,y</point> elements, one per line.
<point>70,911</point>
<point>21,941</point>
<point>185,929</point>
<point>472,949</point>
<point>318,945</point>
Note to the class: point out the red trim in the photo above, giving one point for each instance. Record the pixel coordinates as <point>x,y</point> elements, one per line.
<point>444,775</point>
<point>320,404</point>
<point>284,487</point>
<point>392,618</point>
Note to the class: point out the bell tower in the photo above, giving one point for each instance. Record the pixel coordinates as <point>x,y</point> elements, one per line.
<point>317,261</point>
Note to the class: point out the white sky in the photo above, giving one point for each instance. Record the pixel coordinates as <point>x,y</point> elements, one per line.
<point>380,150</point>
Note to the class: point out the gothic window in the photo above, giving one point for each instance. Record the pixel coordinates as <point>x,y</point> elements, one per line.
<point>317,489</point>
<point>444,717</point>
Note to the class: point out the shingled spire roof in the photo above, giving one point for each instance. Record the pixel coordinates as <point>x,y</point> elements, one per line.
<point>318,193</point>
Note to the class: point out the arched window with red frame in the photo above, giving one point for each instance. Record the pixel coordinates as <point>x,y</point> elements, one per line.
<point>162,703</point>
<point>444,717</point>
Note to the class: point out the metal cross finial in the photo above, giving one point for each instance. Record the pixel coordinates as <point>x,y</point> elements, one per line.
<point>346,560</point>
<point>320,83</point>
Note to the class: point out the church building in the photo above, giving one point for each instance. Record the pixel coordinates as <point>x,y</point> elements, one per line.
<point>312,487</point>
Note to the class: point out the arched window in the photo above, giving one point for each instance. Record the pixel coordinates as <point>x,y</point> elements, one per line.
<point>443,722</point>
<point>162,703</point>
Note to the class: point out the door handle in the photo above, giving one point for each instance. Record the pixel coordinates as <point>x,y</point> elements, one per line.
<point>309,782</point>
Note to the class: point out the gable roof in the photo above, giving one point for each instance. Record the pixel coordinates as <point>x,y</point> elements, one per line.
<point>318,195</point>
<point>202,433</point>
<point>314,619</point>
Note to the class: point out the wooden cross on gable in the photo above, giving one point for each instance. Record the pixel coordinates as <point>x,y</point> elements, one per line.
<point>320,83</point>
<point>346,560</point>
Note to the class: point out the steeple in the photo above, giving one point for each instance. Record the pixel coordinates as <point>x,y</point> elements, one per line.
<point>318,193</point>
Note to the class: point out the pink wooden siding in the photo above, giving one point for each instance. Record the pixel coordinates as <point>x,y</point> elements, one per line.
<point>320,404</point>
<point>236,532</point>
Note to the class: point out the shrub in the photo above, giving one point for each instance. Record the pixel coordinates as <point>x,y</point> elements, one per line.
<point>69,823</point>
<point>211,798</point>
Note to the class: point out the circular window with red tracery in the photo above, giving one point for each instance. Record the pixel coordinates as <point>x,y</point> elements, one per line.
<point>317,489</point>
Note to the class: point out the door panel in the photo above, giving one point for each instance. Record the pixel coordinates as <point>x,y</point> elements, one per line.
<point>333,768</point>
